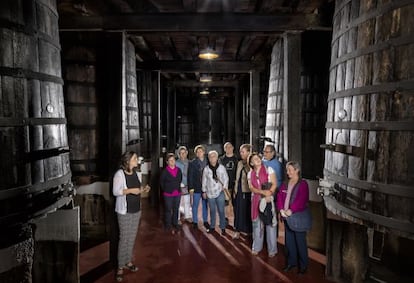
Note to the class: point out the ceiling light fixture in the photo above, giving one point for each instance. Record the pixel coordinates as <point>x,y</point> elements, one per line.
<point>208,54</point>
<point>205,92</point>
<point>206,79</point>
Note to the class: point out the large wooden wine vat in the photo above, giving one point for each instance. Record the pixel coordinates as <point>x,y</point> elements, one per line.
<point>132,109</point>
<point>369,163</point>
<point>274,113</point>
<point>35,172</point>
<point>313,68</point>
<point>82,103</point>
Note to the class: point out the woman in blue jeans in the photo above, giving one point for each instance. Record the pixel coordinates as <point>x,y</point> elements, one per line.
<point>195,172</point>
<point>215,180</point>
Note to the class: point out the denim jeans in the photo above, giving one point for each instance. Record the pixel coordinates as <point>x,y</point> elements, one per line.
<point>258,236</point>
<point>196,202</point>
<point>218,202</point>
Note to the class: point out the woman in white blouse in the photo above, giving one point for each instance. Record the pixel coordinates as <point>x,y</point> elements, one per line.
<point>214,181</point>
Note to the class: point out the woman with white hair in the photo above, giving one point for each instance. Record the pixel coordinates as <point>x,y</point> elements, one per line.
<point>215,180</point>
<point>185,203</point>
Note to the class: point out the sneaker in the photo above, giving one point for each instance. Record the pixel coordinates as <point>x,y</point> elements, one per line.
<point>119,276</point>
<point>254,253</point>
<point>131,267</point>
<point>195,225</point>
<point>206,225</point>
<point>236,235</point>
<point>223,232</point>
<point>208,228</point>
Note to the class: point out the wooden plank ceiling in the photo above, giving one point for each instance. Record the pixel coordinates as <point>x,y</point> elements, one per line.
<point>169,34</point>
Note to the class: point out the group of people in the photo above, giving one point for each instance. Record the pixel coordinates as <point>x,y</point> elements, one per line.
<point>252,184</point>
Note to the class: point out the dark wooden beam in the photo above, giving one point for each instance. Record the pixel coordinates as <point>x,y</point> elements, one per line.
<point>228,5</point>
<point>193,83</point>
<point>201,66</point>
<point>122,5</point>
<point>142,48</point>
<point>189,5</point>
<point>213,22</point>
<point>167,42</point>
<point>211,34</point>
<point>244,46</point>
<point>142,6</point>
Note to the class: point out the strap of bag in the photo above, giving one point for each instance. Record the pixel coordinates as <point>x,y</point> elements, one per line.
<point>294,192</point>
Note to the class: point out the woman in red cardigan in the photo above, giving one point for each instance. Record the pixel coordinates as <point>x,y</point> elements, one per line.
<point>293,197</point>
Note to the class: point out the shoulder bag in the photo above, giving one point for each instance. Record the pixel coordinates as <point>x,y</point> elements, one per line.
<point>300,221</point>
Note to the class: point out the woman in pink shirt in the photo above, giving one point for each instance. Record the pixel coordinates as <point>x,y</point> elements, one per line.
<point>293,197</point>
<point>170,182</point>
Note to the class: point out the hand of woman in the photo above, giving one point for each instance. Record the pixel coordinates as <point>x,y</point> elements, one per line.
<point>283,213</point>
<point>146,189</point>
<point>267,193</point>
<point>135,191</point>
<point>288,212</point>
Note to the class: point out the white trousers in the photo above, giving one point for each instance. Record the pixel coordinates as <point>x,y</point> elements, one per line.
<point>185,206</point>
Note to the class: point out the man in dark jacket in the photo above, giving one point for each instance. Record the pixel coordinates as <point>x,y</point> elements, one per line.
<point>195,173</point>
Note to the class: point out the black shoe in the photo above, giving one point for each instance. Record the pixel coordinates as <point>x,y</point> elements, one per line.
<point>206,225</point>
<point>195,225</point>
<point>288,268</point>
<point>223,232</point>
<point>302,271</point>
<point>208,228</point>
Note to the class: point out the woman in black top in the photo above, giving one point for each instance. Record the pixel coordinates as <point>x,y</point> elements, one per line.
<point>127,190</point>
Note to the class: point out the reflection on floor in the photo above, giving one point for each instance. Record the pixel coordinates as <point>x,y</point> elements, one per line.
<point>192,255</point>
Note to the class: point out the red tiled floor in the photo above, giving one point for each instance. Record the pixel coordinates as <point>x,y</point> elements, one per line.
<point>195,256</point>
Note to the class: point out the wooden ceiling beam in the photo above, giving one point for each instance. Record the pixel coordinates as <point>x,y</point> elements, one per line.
<point>193,83</point>
<point>201,22</point>
<point>167,42</point>
<point>244,46</point>
<point>142,48</point>
<point>224,67</point>
<point>205,34</point>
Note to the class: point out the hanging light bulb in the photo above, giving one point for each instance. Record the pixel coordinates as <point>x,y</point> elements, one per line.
<point>208,54</point>
<point>205,91</point>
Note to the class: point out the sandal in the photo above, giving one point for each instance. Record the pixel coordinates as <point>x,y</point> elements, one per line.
<point>119,275</point>
<point>131,267</point>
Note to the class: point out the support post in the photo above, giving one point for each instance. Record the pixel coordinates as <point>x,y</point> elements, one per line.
<point>156,140</point>
<point>292,106</point>
<point>254,109</point>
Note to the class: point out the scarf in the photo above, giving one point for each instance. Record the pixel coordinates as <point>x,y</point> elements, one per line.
<point>214,170</point>
<point>257,180</point>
